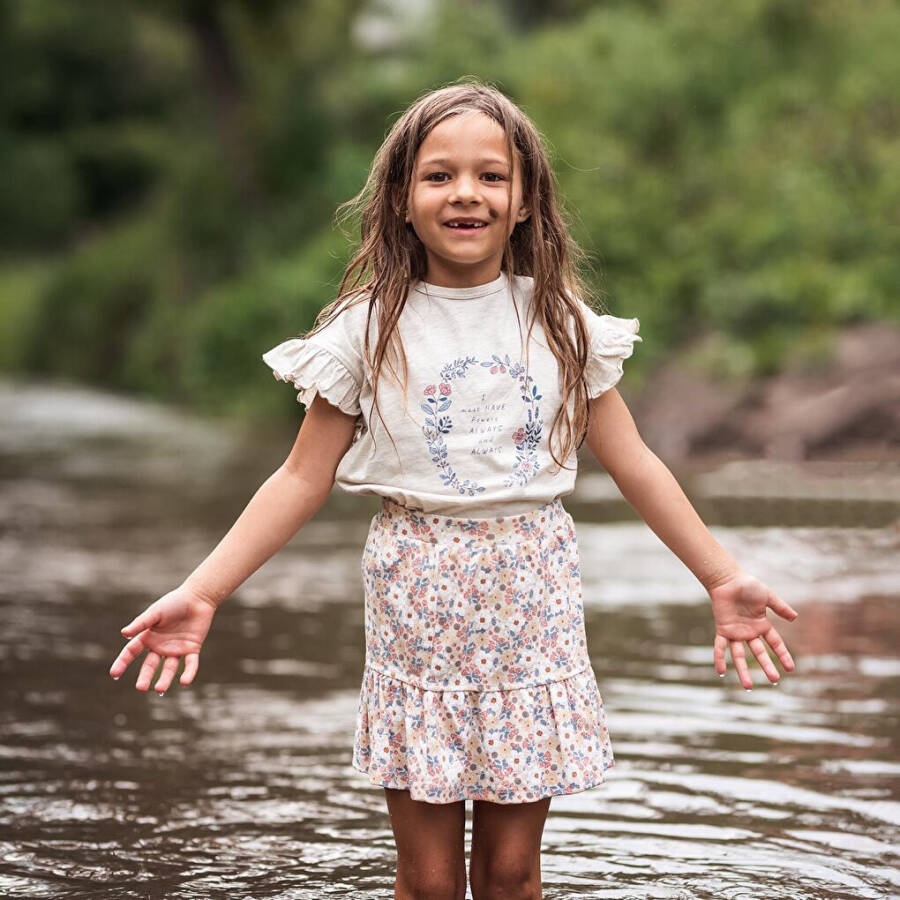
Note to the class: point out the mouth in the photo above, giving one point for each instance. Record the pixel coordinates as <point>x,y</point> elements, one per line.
<point>465,227</point>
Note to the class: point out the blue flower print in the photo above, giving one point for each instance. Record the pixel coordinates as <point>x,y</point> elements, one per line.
<point>526,438</point>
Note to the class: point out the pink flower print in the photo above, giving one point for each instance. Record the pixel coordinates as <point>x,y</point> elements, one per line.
<point>519,436</point>
<point>429,391</point>
<point>445,389</point>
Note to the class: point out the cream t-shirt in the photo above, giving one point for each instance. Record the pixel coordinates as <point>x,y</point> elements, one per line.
<point>470,438</point>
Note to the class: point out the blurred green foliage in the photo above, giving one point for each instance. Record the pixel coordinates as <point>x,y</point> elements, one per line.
<point>171,171</point>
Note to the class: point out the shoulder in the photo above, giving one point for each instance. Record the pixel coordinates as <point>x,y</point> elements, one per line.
<point>605,328</point>
<point>341,325</point>
<point>522,285</point>
<point>596,322</point>
<point>351,311</point>
<point>612,340</point>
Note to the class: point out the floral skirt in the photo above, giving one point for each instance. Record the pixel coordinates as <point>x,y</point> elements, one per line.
<point>477,682</point>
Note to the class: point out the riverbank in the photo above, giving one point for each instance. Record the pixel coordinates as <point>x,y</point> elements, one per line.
<point>843,408</point>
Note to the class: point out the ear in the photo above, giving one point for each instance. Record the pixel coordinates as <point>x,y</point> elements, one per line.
<point>523,214</point>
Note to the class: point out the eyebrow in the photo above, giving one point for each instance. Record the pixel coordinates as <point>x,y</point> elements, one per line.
<point>440,161</point>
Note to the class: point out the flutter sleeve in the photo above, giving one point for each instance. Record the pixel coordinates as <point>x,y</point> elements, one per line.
<point>328,362</point>
<point>612,341</point>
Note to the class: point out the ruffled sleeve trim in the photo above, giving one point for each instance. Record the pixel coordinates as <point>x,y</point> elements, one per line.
<point>612,341</point>
<point>314,370</point>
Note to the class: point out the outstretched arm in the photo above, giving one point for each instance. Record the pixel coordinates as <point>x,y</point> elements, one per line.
<point>739,601</point>
<point>284,503</point>
<point>175,625</point>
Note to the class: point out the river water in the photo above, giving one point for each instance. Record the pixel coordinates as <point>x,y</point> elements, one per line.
<point>241,786</point>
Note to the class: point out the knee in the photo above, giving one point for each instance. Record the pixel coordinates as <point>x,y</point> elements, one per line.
<point>507,880</point>
<point>431,884</point>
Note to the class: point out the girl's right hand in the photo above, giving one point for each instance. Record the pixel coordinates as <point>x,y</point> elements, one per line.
<point>174,626</point>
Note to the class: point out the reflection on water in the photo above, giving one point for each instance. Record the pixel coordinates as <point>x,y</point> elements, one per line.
<point>241,785</point>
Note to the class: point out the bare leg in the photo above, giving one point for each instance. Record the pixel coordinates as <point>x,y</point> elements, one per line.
<point>430,838</point>
<point>506,849</point>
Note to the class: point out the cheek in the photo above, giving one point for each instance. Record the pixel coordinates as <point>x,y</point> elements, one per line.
<point>423,203</point>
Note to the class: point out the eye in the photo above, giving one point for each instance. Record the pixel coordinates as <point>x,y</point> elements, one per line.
<point>492,175</point>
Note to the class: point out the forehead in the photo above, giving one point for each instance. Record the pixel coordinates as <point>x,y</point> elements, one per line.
<point>466,137</point>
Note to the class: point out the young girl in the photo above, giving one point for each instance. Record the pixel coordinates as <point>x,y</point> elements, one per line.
<point>455,376</point>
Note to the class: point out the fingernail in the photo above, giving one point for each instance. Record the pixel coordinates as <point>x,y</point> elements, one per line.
<point>721,674</point>
<point>748,689</point>
<point>163,694</point>
<point>775,683</point>
<point>116,677</point>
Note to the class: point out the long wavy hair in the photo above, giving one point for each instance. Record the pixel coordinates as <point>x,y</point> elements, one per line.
<point>391,258</point>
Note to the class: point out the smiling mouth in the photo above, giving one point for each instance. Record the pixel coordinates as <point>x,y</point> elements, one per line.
<point>471,226</point>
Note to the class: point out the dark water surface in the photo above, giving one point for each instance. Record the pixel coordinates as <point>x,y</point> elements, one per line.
<point>241,785</point>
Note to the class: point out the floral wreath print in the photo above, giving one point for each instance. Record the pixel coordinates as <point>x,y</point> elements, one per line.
<point>526,438</point>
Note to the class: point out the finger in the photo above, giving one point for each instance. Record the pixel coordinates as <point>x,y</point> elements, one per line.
<point>151,661</point>
<point>133,649</point>
<point>170,667</point>
<point>780,648</point>
<point>740,664</point>
<point>762,657</point>
<point>191,664</point>
<point>777,605</point>
<point>147,619</point>
<point>719,645</point>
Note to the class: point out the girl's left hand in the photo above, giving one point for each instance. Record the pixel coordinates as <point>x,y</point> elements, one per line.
<point>739,608</point>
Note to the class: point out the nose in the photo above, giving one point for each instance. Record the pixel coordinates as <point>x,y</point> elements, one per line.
<point>466,188</point>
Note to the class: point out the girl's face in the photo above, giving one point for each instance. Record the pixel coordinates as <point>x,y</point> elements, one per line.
<point>462,171</point>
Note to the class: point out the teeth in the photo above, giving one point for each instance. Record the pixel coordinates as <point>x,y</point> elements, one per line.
<point>466,224</point>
